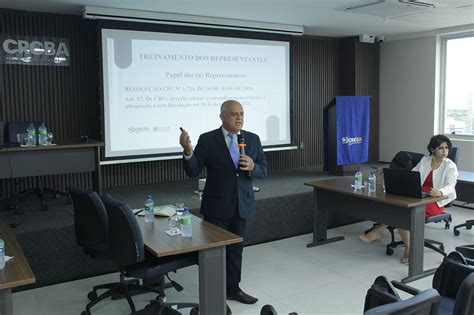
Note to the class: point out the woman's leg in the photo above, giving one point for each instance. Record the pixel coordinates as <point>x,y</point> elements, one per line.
<point>373,235</point>
<point>405,235</point>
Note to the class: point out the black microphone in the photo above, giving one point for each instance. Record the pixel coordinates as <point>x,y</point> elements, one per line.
<point>241,143</point>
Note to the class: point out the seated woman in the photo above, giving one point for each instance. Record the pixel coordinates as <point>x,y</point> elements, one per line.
<point>438,175</point>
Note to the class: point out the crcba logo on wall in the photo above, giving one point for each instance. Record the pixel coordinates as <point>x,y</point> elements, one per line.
<point>352,140</point>
<point>27,50</point>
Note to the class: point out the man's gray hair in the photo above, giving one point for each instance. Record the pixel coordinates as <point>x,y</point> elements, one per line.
<point>227,103</point>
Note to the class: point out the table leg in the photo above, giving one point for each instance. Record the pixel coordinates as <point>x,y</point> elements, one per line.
<point>96,175</point>
<point>212,281</point>
<point>6,307</point>
<point>320,224</point>
<point>417,241</point>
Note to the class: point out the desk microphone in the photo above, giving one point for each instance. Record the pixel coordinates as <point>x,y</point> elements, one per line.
<point>241,144</point>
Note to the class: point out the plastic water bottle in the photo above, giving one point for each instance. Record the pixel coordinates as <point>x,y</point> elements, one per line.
<point>42,135</point>
<point>358,180</point>
<point>2,254</point>
<point>31,131</point>
<point>186,223</point>
<point>372,182</point>
<point>149,208</point>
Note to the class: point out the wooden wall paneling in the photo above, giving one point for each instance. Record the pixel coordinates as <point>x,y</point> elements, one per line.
<point>65,98</point>
<point>68,98</point>
<point>366,83</point>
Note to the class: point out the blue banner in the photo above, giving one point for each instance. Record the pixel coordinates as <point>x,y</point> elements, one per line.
<point>352,123</point>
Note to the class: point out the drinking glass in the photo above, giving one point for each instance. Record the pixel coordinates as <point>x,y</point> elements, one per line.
<point>179,206</point>
<point>49,138</point>
<point>22,138</point>
<point>173,224</point>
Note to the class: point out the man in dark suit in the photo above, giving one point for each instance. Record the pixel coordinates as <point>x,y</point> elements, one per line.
<point>228,199</point>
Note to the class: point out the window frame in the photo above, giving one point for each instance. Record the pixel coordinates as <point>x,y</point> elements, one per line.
<point>444,40</point>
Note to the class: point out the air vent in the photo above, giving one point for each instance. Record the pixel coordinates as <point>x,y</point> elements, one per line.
<point>386,8</point>
<point>418,3</point>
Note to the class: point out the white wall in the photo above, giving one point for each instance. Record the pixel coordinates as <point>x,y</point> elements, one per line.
<point>409,109</point>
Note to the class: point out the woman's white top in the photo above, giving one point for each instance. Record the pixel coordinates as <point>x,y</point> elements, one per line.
<point>444,177</point>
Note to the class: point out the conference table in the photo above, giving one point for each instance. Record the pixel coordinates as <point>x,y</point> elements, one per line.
<point>61,158</point>
<point>209,241</point>
<point>337,195</point>
<point>17,271</point>
<point>464,188</point>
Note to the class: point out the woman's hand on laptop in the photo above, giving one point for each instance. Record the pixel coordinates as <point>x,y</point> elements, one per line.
<point>435,192</point>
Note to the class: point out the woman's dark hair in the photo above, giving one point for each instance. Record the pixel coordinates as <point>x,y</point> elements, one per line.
<point>436,141</point>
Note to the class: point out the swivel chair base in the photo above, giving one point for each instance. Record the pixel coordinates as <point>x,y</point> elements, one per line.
<point>160,306</point>
<point>117,289</point>
<point>41,192</point>
<point>431,244</point>
<point>468,225</point>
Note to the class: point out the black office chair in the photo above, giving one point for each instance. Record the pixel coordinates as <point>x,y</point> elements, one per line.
<point>442,217</point>
<point>468,225</point>
<point>19,127</point>
<point>91,228</point>
<point>454,280</point>
<point>382,299</point>
<point>128,252</point>
<point>467,251</point>
<point>90,221</point>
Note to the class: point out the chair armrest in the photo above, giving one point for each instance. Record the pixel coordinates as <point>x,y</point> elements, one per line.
<point>466,250</point>
<point>405,288</point>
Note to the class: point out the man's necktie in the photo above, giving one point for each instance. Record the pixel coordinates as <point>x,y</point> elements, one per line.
<point>233,149</point>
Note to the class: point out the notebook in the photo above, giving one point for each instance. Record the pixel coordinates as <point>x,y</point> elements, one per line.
<point>403,183</point>
<point>162,211</point>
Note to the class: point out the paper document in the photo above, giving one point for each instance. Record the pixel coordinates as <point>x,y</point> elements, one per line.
<point>162,211</point>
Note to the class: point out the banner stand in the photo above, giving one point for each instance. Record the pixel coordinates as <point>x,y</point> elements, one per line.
<point>330,144</point>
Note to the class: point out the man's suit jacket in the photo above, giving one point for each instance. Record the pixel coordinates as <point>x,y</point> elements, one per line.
<point>225,185</point>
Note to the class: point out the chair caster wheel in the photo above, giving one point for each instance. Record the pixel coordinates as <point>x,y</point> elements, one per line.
<point>44,208</point>
<point>456,232</point>
<point>92,296</point>
<point>194,311</point>
<point>441,247</point>
<point>468,227</point>
<point>389,251</point>
<point>86,313</point>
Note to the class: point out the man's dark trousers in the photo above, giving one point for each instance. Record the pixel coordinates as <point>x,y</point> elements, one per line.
<point>235,225</point>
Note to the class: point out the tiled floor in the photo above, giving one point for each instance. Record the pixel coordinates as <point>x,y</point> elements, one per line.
<point>329,279</point>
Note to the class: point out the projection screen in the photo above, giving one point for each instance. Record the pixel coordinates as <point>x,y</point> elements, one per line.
<point>155,83</point>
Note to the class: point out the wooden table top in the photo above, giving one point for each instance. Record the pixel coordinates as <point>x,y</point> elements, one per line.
<point>61,145</point>
<point>17,271</point>
<point>205,236</point>
<point>343,186</point>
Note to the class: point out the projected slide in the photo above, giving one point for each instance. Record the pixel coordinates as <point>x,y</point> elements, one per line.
<point>155,83</point>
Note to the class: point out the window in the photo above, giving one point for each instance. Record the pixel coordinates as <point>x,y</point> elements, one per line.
<point>458,94</point>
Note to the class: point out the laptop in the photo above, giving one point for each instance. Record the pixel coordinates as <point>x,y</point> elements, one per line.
<point>403,183</point>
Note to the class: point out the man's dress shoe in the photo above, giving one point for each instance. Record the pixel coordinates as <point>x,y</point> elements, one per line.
<point>242,297</point>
